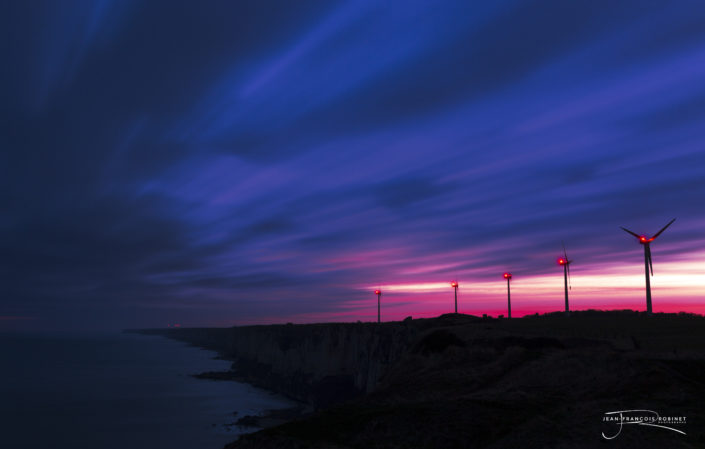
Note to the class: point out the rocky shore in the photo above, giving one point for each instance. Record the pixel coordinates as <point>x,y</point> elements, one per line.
<point>466,382</point>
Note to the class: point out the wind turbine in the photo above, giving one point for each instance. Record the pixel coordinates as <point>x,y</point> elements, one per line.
<point>454,284</point>
<point>379,295</point>
<point>648,264</point>
<point>508,277</point>
<point>565,262</point>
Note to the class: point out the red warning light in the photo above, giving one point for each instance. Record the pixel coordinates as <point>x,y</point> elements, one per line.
<point>642,238</point>
<point>378,292</point>
<point>507,275</point>
<point>561,261</point>
<point>454,284</point>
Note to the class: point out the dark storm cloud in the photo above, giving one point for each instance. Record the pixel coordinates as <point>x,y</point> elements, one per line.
<point>167,161</point>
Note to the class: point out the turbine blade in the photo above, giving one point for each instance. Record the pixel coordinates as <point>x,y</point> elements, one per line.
<point>648,256</point>
<point>663,229</point>
<point>565,254</point>
<point>632,233</point>
<point>570,285</point>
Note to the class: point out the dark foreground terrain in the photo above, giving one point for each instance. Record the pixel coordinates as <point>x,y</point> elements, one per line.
<point>459,381</point>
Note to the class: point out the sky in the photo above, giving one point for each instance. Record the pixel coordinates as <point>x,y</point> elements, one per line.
<point>216,163</point>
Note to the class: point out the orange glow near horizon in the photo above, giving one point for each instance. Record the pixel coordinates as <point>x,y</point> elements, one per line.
<point>676,286</point>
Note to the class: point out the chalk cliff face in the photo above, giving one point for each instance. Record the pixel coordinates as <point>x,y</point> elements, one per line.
<point>320,364</point>
<point>462,381</point>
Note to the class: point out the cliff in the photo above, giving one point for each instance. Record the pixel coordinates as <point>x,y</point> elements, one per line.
<point>459,381</point>
<point>320,364</point>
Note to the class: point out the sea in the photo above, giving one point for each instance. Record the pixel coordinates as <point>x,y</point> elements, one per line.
<point>121,391</point>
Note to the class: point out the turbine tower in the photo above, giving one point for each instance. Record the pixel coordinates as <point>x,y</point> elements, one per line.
<point>379,294</point>
<point>454,284</point>
<point>508,277</point>
<point>648,264</point>
<point>565,263</point>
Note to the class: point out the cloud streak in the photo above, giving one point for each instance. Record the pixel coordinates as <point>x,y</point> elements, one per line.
<point>233,163</point>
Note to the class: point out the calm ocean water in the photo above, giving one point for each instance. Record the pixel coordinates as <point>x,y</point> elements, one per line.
<point>117,391</point>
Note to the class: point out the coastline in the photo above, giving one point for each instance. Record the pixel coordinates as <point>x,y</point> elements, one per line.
<point>107,390</point>
<point>455,380</point>
<point>264,418</point>
<point>245,423</point>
